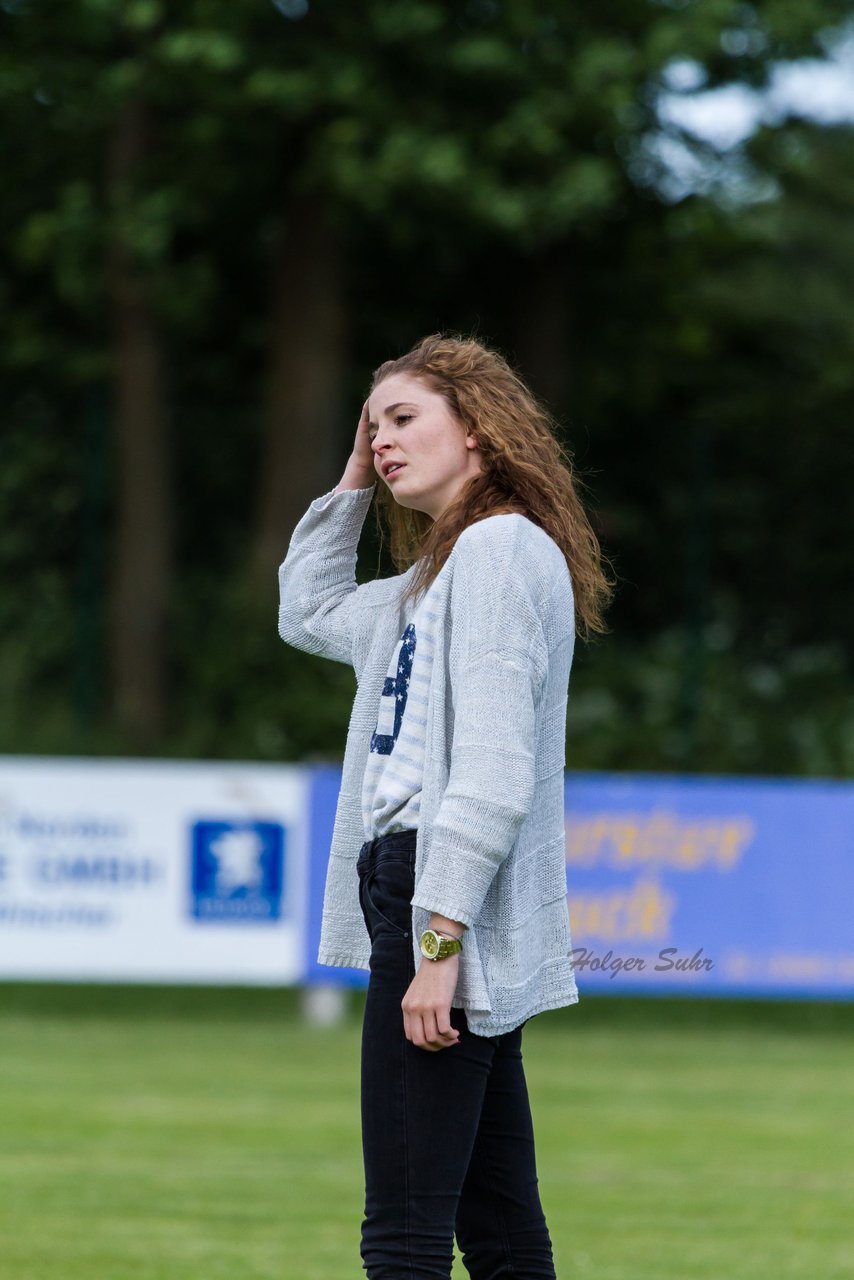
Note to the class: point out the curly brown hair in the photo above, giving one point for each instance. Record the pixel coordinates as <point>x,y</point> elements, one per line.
<point>525,469</point>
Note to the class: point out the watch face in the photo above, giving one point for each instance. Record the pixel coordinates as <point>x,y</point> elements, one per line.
<point>430,944</point>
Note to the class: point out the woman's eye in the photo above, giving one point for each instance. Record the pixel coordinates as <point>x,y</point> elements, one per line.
<point>400,417</point>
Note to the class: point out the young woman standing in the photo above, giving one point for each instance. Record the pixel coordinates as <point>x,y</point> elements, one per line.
<point>446,874</point>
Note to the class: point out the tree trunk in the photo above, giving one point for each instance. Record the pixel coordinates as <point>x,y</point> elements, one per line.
<point>304,448</point>
<point>142,558</point>
<point>545,346</point>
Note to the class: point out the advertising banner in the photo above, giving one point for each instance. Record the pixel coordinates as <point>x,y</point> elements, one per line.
<point>170,871</point>
<point>152,871</point>
<point>724,886</point>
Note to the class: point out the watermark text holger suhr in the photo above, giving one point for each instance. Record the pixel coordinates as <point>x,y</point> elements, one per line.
<point>668,959</point>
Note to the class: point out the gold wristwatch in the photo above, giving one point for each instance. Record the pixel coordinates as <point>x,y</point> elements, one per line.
<point>435,947</point>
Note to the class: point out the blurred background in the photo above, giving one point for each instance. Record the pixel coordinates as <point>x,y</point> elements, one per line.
<point>217,219</point>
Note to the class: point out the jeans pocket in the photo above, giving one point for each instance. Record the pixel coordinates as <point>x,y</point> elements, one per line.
<point>386,890</point>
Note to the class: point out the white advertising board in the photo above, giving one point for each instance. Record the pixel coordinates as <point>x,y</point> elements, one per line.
<point>152,871</point>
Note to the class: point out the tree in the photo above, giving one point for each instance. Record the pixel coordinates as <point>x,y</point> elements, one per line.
<point>318,191</point>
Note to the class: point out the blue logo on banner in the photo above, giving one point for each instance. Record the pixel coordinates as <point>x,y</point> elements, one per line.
<point>237,871</point>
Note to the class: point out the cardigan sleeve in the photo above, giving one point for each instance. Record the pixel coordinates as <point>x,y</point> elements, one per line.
<point>317,579</point>
<point>498,660</point>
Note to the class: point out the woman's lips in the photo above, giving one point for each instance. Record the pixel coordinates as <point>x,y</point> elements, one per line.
<point>395,471</point>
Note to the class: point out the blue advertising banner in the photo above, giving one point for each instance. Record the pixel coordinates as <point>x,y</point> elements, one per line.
<point>725,886</point>
<point>324,785</point>
<point>685,884</point>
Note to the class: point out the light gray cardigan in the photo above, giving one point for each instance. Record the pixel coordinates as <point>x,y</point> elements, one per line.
<point>490,849</point>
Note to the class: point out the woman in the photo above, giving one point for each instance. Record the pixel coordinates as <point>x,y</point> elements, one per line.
<point>447,873</point>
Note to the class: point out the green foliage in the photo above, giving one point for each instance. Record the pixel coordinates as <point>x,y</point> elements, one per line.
<point>453,145</point>
<point>241,693</point>
<point>701,705</point>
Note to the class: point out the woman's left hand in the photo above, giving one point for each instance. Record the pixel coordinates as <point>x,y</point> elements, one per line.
<point>427,1005</point>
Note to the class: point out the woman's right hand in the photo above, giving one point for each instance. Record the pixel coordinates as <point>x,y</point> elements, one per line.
<point>360,472</point>
<point>363,452</point>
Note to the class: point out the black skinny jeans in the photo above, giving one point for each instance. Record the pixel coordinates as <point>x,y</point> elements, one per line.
<point>447,1136</point>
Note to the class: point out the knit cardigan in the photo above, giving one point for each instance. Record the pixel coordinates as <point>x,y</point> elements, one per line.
<point>490,845</point>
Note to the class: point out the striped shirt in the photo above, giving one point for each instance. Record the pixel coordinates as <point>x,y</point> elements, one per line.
<point>391,788</point>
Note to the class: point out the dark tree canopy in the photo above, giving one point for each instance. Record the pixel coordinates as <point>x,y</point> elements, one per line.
<point>218,218</point>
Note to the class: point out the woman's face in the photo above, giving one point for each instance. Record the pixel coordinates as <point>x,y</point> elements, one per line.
<point>411,424</point>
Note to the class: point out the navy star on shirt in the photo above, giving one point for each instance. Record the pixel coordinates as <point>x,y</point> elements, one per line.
<point>394,695</point>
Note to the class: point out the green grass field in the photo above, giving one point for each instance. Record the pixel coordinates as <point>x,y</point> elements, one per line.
<point>181,1134</point>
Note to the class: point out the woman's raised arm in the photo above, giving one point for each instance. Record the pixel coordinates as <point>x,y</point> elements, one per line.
<point>317,579</point>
